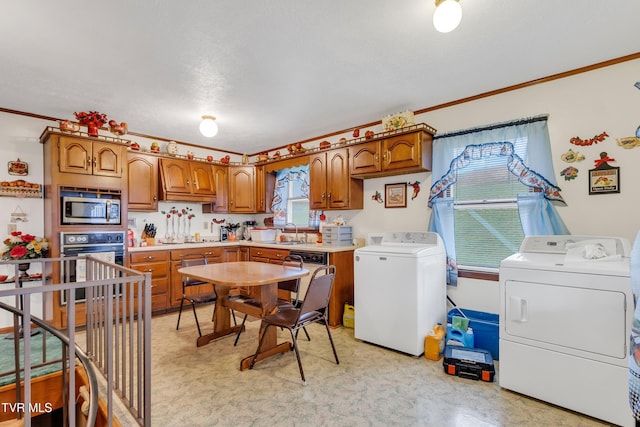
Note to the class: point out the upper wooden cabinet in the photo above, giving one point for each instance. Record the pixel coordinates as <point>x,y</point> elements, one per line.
<point>142,172</point>
<point>242,189</point>
<point>221,182</point>
<point>84,156</point>
<point>394,155</point>
<point>265,184</point>
<point>186,180</point>
<point>330,185</point>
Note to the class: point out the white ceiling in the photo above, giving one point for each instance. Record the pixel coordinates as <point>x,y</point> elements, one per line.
<point>282,71</point>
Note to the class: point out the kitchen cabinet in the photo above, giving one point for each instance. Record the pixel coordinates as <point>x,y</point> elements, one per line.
<point>330,183</point>
<point>242,189</point>
<point>213,255</point>
<point>268,255</point>
<point>156,263</point>
<point>142,173</point>
<point>88,157</point>
<point>265,184</point>
<point>397,154</point>
<point>186,180</point>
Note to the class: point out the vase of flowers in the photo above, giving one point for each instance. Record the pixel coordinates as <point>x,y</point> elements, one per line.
<point>20,246</point>
<point>92,120</point>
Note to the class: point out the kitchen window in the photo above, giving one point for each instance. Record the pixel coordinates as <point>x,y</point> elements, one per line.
<point>290,203</point>
<point>496,186</point>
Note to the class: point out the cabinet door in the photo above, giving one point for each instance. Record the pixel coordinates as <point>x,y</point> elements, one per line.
<point>365,158</point>
<point>202,179</point>
<point>107,159</point>
<point>221,182</point>
<point>400,152</point>
<point>75,156</point>
<point>318,181</point>
<point>242,196</point>
<point>176,176</point>
<point>142,173</point>
<point>338,180</point>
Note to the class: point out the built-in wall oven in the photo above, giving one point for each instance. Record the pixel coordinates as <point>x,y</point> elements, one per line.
<point>108,246</point>
<point>312,260</point>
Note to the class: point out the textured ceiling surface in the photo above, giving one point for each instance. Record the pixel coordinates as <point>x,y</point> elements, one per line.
<point>281,71</point>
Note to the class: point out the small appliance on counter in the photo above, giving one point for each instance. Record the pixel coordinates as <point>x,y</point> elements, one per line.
<point>224,234</point>
<point>247,226</point>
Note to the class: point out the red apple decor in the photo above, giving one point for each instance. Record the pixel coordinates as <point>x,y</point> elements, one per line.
<point>296,148</point>
<point>225,159</point>
<point>209,158</point>
<point>135,146</point>
<point>369,134</point>
<point>118,129</point>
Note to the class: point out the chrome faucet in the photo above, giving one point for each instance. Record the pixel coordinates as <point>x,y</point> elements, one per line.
<point>296,228</point>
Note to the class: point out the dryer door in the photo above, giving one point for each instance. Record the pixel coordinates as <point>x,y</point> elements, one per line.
<point>588,321</point>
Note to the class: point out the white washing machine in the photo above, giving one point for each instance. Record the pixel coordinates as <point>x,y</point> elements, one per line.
<point>400,290</point>
<point>566,309</point>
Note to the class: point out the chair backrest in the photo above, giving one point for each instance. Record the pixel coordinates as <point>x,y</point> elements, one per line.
<point>319,291</point>
<point>189,261</point>
<point>292,285</point>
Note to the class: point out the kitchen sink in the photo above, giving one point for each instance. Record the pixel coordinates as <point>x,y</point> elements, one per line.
<point>290,243</point>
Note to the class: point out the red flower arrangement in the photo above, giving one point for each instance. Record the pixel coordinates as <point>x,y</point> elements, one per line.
<point>24,246</point>
<point>98,119</point>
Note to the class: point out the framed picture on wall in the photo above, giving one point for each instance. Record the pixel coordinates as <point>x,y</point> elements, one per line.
<point>396,195</point>
<point>604,180</point>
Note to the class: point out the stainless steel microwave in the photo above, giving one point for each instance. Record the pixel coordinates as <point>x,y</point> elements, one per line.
<point>88,210</point>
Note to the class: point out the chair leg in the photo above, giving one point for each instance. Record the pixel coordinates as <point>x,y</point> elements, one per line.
<point>244,319</point>
<point>193,306</point>
<point>180,313</point>
<point>326,325</point>
<point>306,333</point>
<point>295,347</point>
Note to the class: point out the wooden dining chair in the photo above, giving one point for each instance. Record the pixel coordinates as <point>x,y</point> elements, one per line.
<point>314,309</point>
<point>289,286</point>
<point>188,282</point>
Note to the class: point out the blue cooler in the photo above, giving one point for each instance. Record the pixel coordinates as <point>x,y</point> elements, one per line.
<point>485,329</point>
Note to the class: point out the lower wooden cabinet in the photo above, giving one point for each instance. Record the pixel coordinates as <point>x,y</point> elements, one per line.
<point>212,254</point>
<point>156,263</point>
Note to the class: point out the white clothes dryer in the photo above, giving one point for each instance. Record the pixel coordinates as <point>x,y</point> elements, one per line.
<point>566,309</point>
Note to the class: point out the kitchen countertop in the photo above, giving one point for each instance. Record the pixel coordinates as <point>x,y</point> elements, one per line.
<point>245,243</point>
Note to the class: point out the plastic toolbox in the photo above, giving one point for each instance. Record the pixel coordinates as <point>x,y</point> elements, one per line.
<point>473,363</point>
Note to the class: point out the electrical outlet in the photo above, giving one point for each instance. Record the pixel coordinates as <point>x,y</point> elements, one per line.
<point>131,222</point>
<point>11,228</point>
<point>205,224</point>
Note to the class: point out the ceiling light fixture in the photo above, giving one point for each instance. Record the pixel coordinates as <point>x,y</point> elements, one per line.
<point>208,126</point>
<point>447,15</point>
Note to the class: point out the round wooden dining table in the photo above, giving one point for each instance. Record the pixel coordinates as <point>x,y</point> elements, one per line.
<point>228,275</point>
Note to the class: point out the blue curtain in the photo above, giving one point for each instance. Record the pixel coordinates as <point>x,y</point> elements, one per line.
<point>298,177</point>
<point>442,223</point>
<point>456,150</point>
<point>538,216</point>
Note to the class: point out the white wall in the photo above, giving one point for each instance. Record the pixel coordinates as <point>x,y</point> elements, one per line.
<point>583,105</point>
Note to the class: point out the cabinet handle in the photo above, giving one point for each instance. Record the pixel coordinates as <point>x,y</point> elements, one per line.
<point>375,157</point>
<point>155,197</point>
<point>230,202</point>
<point>149,257</point>
<point>384,157</point>
<point>330,196</point>
<point>149,270</point>
<point>208,253</point>
<point>188,182</point>
<point>279,255</point>
<point>323,196</point>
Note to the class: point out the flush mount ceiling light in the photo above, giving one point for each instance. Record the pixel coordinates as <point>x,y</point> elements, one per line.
<point>447,15</point>
<point>208,126</point>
